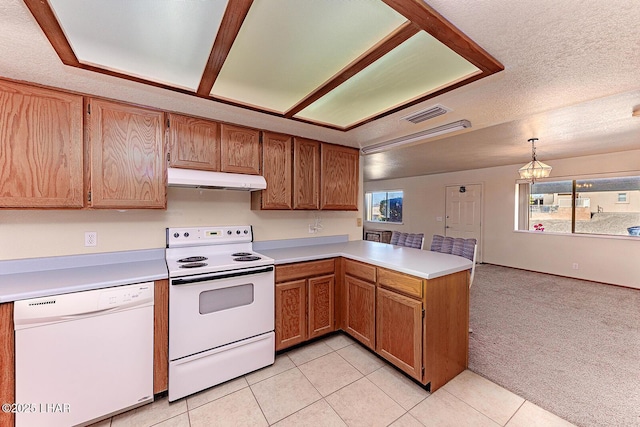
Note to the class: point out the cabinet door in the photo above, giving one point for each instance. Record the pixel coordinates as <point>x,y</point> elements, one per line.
<point>41,161</point>
<point>360,310</point>
<point>291,313</point>
<point>321,300</point>
<point>306,174</point>
<point>194,143</point>
<point>240,149</point>
<point>339,178</point>
<point>276,169</point>
<point>399,331</point>
<point>127,156</point>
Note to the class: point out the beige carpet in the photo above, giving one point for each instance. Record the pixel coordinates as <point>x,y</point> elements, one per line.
<point>569,346</point>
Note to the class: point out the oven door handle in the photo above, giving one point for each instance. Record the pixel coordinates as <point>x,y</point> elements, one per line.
<point>224,275</point>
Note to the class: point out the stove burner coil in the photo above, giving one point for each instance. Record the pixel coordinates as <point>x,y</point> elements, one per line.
<point>241,254</point>
<point>193,259</point>
<point>193,264</point>
<point>247,258</point>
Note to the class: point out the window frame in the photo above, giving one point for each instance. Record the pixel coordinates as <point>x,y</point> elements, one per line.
<point>368,206</point>
<point>521,216</point>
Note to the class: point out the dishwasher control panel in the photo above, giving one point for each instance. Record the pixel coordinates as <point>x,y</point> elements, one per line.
<point>117,297</point>
<point>34,312</point>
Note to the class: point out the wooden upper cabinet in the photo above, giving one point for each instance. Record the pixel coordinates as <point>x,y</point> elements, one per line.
<point>339,177</point>
<point>41,161</point>
<point>194,143</point>
<point>127,152</point>
<point>240,149</point>
<point>276,169</point>
<point>306,174</point>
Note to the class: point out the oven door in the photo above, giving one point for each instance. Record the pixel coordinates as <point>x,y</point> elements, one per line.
<point>210,310</point>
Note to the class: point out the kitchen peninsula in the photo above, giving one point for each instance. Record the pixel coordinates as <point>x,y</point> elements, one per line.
<point>407,305</point>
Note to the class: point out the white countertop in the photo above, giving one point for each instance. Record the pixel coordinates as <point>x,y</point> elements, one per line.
<point>416,262</point>
<point>39,277</point>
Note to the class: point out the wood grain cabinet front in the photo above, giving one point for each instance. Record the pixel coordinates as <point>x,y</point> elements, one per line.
<point>276,169</point>
<point>193,143</point>
<point>126,151</point>
<point>160,336</point>
<point>306,174</point>
<point>240,150</point>
<point>41,146</point>
<point>339,177</point>
<point>321,291</point>
<point>305,298</point>
<point>291,313</point>
<point>7,362</point>
<point>360,309</point>
<point>399,331</point>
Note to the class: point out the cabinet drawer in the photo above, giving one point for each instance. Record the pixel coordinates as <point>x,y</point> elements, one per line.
<point>301,270</point>
<point>400,282</point>
<point>360,270</point>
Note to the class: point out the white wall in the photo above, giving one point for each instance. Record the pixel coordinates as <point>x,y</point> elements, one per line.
<point>603,259</point>
<point>41,233</point>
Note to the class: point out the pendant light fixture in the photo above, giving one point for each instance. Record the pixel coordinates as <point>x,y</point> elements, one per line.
<point>534,169</point>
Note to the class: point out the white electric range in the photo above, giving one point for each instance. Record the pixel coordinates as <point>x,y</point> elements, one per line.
<point>221,307</point>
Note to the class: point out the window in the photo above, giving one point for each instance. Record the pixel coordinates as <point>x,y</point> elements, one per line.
<point>384,206</point>
<point>608,206</point>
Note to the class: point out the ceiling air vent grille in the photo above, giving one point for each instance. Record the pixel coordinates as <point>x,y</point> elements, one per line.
<point>429,113</point>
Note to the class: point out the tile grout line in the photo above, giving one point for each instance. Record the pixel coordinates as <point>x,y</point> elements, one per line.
<point>258,402</point>
<point>516,411</point>
<point>467,404</point>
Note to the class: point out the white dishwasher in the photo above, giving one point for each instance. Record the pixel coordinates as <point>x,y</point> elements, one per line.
<point>83,356</point>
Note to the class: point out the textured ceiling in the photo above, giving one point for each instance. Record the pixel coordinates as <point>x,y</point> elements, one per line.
<point>570,79</point>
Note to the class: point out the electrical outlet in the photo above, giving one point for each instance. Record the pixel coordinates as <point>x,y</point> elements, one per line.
<point>90,238</point>
<point>358,222</point>
<point>574,266</point>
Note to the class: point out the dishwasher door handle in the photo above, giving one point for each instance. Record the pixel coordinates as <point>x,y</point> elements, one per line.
<point>88,313</point>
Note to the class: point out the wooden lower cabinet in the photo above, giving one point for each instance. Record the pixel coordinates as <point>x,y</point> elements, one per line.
<point>446,328</point>
<point>7,362</point>
<point>305,298</point>
<point>360,310</point>
<point>321,291</point>
<point>419,325</point>
<point>399,331</point>
<point>291,313</point>
<point>161,336</point>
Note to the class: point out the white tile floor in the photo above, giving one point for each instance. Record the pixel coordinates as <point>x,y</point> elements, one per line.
<point>336,382</point>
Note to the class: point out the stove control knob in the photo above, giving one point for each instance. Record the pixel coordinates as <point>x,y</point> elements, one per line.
<point>186,234</point>
<point>237,231</point>
<point>176,235</point>
<point>246,231</point>
<point>229,232</point>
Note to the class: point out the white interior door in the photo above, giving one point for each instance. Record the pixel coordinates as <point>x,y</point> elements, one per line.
<point>463,212</point>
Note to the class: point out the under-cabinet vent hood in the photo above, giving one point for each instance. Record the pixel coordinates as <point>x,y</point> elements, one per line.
<point>214,180</point>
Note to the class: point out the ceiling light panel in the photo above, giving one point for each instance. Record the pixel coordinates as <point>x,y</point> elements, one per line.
<point>287,48</point>
<point>166,41</point>
<point>417,67</point>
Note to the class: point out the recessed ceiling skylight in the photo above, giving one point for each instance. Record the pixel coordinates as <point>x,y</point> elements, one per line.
<point>333,63</point>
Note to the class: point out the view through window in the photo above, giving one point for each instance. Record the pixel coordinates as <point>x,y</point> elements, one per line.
<point>609,206</point>
<point>384,206</point>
